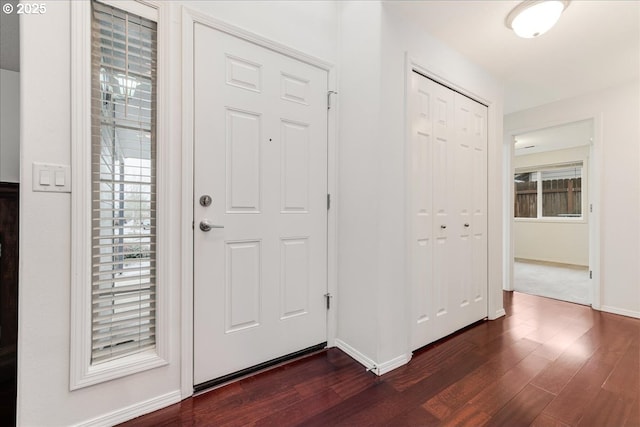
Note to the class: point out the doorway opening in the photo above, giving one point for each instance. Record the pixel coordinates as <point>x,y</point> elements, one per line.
<point>551,218</point>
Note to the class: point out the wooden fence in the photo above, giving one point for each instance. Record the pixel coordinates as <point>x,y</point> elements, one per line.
<point>560,198</point>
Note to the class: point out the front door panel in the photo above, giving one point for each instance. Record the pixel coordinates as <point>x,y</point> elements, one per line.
<point>260,131</point>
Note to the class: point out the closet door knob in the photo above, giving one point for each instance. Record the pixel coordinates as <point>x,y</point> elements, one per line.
<point>466,224</point>
<point>443,226</point>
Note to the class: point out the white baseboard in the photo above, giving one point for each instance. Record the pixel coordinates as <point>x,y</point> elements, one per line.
<point>133,411</point>
<point>620,311</point>
<point>359,357</point>
<point>368,363</point>
<point>394,363</point>
<point>498,314</point>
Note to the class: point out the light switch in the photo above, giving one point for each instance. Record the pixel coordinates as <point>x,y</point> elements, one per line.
<point>60,178</point>
<point>45,177</point>
<point>50,177</point>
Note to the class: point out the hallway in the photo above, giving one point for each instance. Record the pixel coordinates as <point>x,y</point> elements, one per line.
<point>546,363</point>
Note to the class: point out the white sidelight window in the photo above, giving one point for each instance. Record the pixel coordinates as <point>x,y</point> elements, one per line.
<point>123,172</point>
<point>115,292</point>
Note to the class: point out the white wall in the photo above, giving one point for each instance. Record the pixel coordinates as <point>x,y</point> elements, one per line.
<point>358,170</point>
<point>616,112</point>
<point>9,126</point>
<point>374,298</point>
<point>555,240</point>
<point>45,235</point>
<point>308,26</point>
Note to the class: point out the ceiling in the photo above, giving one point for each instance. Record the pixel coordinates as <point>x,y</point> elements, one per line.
<point>594,45</point>
<point>569,135</point>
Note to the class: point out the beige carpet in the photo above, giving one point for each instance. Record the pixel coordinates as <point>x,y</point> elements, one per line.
<point>563,283</point>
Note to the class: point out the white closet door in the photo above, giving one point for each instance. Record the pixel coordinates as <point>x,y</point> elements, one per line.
<point>448,210</point>
<point>470,201</point>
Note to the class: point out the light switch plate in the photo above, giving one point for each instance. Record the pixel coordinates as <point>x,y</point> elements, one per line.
<point>51,178</point>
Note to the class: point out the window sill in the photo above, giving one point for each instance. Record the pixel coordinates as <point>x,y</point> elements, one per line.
<point>118,368</point>
<point>558,220</point>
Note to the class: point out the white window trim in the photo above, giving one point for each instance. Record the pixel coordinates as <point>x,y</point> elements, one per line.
<point>81,372</point>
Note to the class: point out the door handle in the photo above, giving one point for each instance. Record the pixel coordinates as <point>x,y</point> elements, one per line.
<point>466,225</point>
<point>443,226</point>
<point>205,225</point>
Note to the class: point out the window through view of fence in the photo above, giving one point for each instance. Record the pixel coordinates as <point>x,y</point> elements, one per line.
<point>559,189</point>
<point>123,183</point>
<point>526,200</point>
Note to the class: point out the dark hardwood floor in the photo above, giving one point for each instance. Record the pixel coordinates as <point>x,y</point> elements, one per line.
<point>547,363</point>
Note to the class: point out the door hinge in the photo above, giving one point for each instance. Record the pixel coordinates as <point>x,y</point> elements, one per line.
<point>328,297</point>
<point>328,201</point>
<point>329,98</point>
<point>591,207</point>
<point>590,274</point>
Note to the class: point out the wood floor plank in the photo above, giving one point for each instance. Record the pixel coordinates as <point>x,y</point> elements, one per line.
<point>243,412</point>
<point>415,417</point>
<point>544,420</point>
<point>554,347</point>
<point>302,410</point>
<point>434,359</point>
<point>456,395</point>
<point>546,364</point>
<point>372,398</point>
<point>496,346</point>
<point>633,419</point>
<point>494,397</point>
<point>561,371</point>
<point>570,404</point>
<point>624,379</point>
<point>523,409</point>
<point>606,409</point>
<point>351,385</point>
<point>418,393</point>
<point>338,379</point>
<point>468,416</point>
<point>555,376</point>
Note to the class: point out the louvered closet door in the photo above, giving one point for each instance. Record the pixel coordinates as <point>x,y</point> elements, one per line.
<point>260,130</point>
<point>448,210</point>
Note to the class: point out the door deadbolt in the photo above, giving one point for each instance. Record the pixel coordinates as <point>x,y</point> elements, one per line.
<point>205,200</point>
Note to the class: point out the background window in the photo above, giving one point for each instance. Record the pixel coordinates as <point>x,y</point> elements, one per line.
<point>549,193</point>
<point>562,192</point>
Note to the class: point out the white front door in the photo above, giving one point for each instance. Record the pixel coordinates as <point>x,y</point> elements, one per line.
<point>260,159</point>
<point>448,183</point>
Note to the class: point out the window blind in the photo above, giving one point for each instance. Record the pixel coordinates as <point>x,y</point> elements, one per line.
<point>123,171</point>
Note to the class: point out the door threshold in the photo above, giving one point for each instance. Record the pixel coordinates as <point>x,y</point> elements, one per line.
<point>253,370</point>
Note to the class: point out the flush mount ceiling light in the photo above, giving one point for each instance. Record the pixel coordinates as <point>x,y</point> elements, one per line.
<point>532,18</point>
